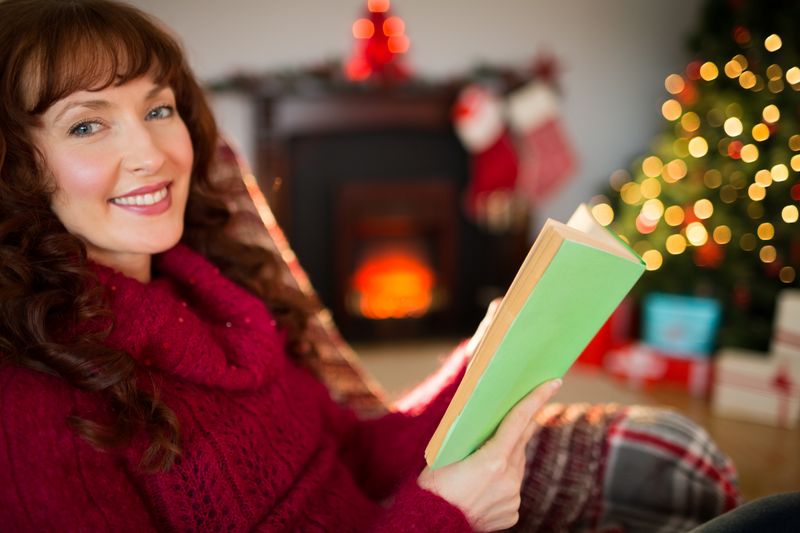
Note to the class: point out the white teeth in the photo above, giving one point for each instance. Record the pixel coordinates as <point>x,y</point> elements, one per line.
<point>143,199</point>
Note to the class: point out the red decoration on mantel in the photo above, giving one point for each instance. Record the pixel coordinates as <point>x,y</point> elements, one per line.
<point>380,43</point>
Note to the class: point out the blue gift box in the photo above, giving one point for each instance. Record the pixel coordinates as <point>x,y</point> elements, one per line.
<point>681,325</point>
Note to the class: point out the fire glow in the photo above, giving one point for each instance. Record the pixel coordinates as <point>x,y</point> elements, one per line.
<point>392,284</point>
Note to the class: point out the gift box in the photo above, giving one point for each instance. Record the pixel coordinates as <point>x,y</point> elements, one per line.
<point>682,326</point>
<point>755,387</point>
<point>641,365</point>
<point>786,331</point>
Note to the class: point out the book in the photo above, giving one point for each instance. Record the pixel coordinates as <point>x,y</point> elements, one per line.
<point>572,279</point>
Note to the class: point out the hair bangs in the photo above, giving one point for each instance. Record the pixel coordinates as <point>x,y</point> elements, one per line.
<point>91,50</point>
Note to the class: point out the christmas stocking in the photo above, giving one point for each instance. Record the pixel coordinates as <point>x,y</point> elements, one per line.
<point>546,159</point>
<point>479,123</point>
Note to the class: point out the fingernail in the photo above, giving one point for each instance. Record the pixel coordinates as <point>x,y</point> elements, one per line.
<point>554,385</point>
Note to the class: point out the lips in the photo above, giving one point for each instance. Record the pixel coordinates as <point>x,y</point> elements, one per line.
<point>141,191</point>
<point>149,200</point>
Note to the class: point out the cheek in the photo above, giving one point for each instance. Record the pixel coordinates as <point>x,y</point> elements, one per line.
<point>181,150</point>
<point>81,178</point>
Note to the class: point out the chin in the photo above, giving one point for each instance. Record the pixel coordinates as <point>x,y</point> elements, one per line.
<point>161,242</point>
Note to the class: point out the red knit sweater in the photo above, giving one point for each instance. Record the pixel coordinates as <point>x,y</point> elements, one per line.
<point>264,446</point>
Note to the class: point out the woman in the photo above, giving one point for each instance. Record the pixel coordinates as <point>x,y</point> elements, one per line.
<point>152,370</point>
<point>142,388</point>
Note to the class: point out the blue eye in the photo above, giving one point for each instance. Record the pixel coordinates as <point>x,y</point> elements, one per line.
<point>84,129</point>
<point>160,112</point>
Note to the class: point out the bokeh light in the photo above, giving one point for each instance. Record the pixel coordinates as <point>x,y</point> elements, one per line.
<point>363,29</point>
<point>748,242</point>
<point>674,215</point>
<point>756,192</point>
<point>728,194</point>
<point>674,84</point>
<point>771,113</point>
<point>698,147</point>
<point>733,69</point>
<point>760,132</point>
<point>793,75</point>
<point>767,254</point>
<point>749,153</point>
<point>603,213</point>
<point>703,209</point>
<point>652,166</point>
<point>765,231</point>
<point>764,178</point>
<point>671,109</point>
<point>712,178</point>
<point>631,193</point>
<point>690,121</point>
<point>651,188</point>
<point>709,71</point>
<point>674,171</point>
<point>733,126</point>
<point>780,172</point>
<point>773,43</point>
<point>618,178</point>
<point>653,209</point>
<point>774,72</point>
<point>789,214</point>
<point>747,80</point>
<point>722,234</point>
<point>653,259</point>
<point>755,210</point>
<point>675,244</point>
<point>696,234</point>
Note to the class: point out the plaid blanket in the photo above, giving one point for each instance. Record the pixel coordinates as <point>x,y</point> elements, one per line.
<point>608,468</point>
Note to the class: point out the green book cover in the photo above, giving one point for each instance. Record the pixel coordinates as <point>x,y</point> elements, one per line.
<point>568,286</point>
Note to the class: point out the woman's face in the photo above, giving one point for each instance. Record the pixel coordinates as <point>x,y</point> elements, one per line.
<point>121,158</point>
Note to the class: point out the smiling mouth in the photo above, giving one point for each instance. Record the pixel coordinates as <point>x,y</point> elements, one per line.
<point>150,198</point>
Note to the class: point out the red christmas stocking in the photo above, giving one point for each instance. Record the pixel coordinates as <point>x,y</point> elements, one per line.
<point>546,158</point>
<point>479,123</point>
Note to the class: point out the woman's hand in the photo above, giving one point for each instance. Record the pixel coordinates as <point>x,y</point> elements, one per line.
<point>486,485</point>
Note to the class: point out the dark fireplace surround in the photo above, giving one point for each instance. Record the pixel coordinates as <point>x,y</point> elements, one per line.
<point>351,172</point>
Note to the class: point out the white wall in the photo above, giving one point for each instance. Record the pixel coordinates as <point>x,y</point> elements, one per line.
<point>615,55</point>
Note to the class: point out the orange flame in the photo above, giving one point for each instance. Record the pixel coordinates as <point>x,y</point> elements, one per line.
<point>393,284</point>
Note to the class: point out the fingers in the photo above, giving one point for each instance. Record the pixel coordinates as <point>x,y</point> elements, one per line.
<point>515,425</point>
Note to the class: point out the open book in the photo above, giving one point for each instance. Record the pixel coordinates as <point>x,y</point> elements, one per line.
<point>573,278</point>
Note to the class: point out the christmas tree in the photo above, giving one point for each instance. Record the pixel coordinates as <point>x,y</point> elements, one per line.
<point>380,44</point>
<point>713,207</point>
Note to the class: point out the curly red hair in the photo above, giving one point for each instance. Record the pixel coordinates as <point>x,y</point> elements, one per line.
<point>48,294</point>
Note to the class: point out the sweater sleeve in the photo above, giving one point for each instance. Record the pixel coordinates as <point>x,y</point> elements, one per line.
<point>51,479</point>
<point>383,452</point>
<point>414,509</point>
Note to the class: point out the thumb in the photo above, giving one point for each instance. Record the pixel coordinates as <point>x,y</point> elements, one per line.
<point>513,426</point>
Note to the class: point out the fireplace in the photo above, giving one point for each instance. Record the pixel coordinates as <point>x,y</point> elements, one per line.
<point>367,186</point>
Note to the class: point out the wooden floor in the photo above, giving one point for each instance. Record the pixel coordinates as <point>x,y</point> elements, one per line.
<point>767,458</point>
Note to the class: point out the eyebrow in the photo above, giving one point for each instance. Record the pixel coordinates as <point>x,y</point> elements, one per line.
<point>100,104</point>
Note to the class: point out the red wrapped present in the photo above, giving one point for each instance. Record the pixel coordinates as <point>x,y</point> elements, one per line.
<point>641,365</point>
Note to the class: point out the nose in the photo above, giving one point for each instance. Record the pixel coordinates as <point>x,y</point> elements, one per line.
<point>143,153</point>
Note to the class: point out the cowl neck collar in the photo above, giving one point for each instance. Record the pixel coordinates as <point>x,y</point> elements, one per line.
<point>192,322</point>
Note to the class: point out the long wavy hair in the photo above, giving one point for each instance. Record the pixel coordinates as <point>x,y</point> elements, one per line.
<point>48,294</point>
